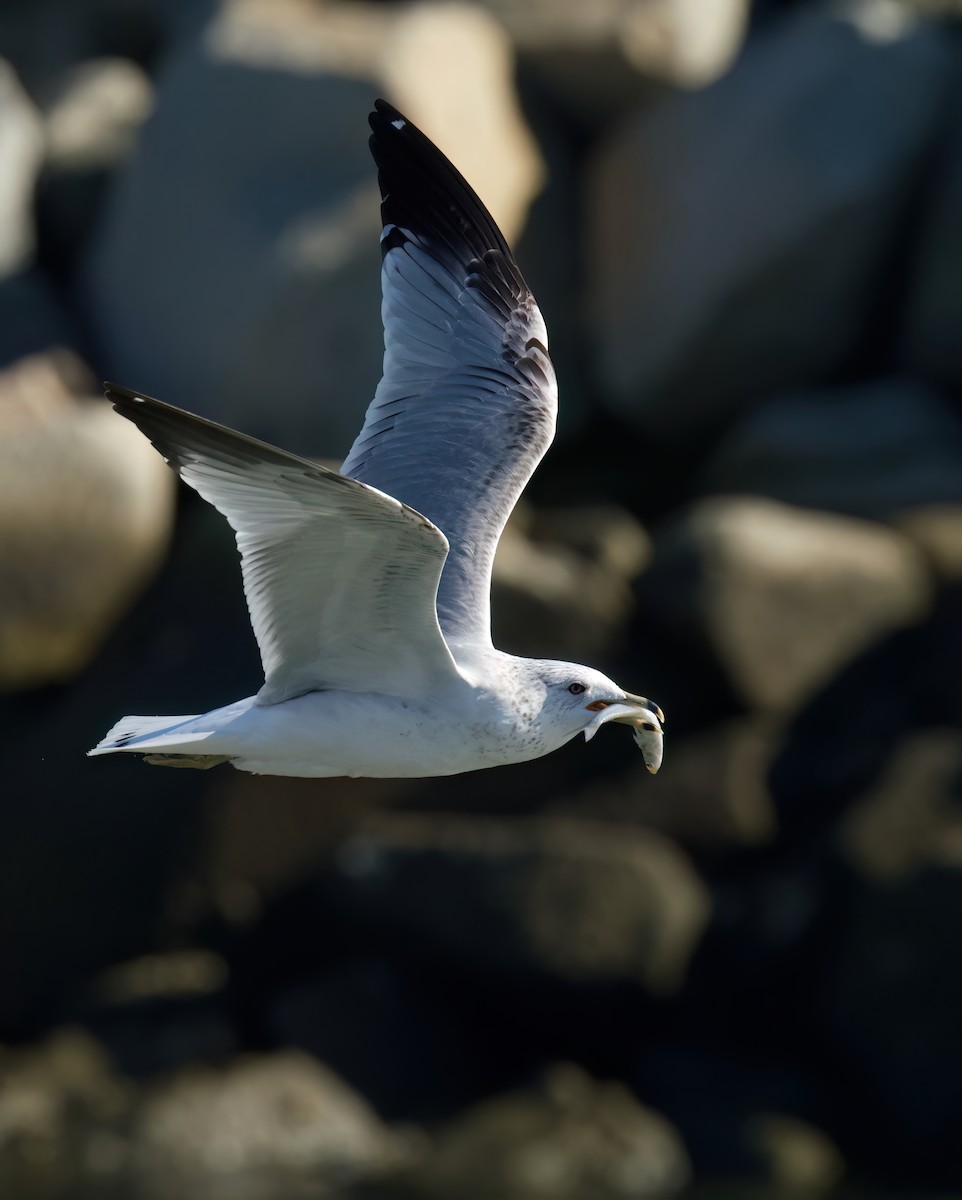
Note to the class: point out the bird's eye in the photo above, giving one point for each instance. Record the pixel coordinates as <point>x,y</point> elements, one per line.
<point>576,688</point>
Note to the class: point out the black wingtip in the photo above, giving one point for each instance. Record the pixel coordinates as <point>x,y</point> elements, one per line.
<point>422,190</point>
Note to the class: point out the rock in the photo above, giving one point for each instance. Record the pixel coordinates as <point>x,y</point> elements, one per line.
<point>260,1114</point>
<point>869,450</point>
<point>52,1097</point>
<point>891,995</point>
<point>737,236</point>
<point>781,597</point>
<point>566,899</point>
<point>32,318</point>
<point>86,507</point>
<point>909,818</point>
<point>937,531</point>
<point>186,641</point>
<point>46,39</point>
<point>92,123</point>
<point>794,1155</point>
<point>597,63</point>
<point>562,581</point>
<point>571,1137</point>
<point>264,272</point>
<point>21,151</point>
<point>402,1034</point>
<point>905,685</point>
<point>674,41</point>
<point>928,344</point>
<point>712,789</point>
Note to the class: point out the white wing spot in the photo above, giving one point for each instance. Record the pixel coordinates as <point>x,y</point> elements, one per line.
<point>399,124</point>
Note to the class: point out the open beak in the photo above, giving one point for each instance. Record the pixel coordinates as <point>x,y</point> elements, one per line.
<point>645,718</point>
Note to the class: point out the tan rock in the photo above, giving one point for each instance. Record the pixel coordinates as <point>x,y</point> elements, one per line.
<point>86,506</point>
<point>21,152</point>
<point>260,1113</point>
<point>570,1138</point>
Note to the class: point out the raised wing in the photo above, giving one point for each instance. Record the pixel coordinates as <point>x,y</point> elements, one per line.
<point>340,579</point>
<point>467,404</point>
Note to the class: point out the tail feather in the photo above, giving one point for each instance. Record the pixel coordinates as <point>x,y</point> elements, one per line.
<point>146,733</point>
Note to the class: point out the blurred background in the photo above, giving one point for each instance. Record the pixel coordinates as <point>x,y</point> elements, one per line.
<point>743,223</point>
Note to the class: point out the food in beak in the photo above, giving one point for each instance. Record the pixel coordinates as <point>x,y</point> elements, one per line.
<point>646,727</point>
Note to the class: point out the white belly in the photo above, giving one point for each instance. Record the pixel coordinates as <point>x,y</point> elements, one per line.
<point>343,733</point>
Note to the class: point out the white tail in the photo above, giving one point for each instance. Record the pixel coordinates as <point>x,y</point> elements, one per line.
<point>131,733</point>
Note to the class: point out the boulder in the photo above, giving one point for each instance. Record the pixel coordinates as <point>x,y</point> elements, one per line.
<point>562,581</point>
<point>600,61</point>
<point>737,236</point>
<point>568,1138</point>
<point>781,597</point>
<point>32,317</point>
<point>909,817</point>
<point>562,899</point>
<point>92,122</point>
<point>21,151</point>
<point>712,791</point>
<point>251,295</point>
<point>928,343</point>
<point>891,995</point>
<point>260,1114</point>
<point>869,450</point>
<point>937,530</point>
<point>843,743</point>
<point>86,509</point>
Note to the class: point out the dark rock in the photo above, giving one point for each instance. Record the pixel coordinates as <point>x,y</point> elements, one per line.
<point>32,318</point>
<point>572,900</point>
<point>92,123</point>
<point>738,235</point>
<point>870,450</point>
<point>891,996</point>
<point>712,790</point>
<point>837,747</point>
<point>781,597</point>
<point>404,1036</point>
<point>912,816</point>
<point>93,852</point>
<point>744,1113</point>
<point>929,343</point>
<point>570,1138</point>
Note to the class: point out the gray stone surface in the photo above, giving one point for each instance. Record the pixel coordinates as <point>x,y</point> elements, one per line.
<point>870,450</point>
<point>237,271</point>
<point>569,899</point>
<point>736,235</point>
<point>782,597</point>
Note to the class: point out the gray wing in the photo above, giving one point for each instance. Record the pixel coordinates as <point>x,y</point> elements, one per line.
<point>340,579</point>
<point>467,403</point>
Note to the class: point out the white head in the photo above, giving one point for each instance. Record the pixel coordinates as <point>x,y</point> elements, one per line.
<point>580,700</point>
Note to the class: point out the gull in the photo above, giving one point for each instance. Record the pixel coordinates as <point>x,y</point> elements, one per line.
<point>369,588</point>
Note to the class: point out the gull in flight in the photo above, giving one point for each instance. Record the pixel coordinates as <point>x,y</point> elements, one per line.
<point>369,589</point>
